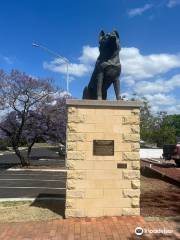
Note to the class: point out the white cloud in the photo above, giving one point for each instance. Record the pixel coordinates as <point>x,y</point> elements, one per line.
<point>158,86</point>
<point>136,66</point>
<point>160,99</point>
<point>75,69</point>
<point>85,65</point>
<point>163,102</point>
<point>139,11</point>
<point>173,3</point>
<point>89,55</point>
<point>173,109</point>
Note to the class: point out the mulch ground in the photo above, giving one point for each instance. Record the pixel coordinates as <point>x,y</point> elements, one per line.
<point>109,228</point>
<point>158,198</point>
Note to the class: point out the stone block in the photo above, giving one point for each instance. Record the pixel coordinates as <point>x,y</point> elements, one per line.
<point>130,193</point>
<point>131,156</point>
<point>112,193</point>
<point>75,184</point>
<point>122,112</point>
<point>111,183</point>
<point>71,146</point>
<point>72,110</point>
<point>84,146</point>
<point>135,147</point>
<point>112,211</point>
<point>70,203</point>
<point>103,174</point>
<point>71,174</point>
<point>102,158</point>
<point>135,129</point>
<point>131,138</point>
<point>72,127</point>
<point>94,184</point>
<point>75,213</point>
<point>76,155</point>
<point>116,202</point>
<point>135,202</point>
<point>74,118</point>
<point>135,111</point>
<point>135,184</point>
<point>125,184</point>
<point>76,137</point>
<point>131,174</point>
<point>86,128</point>
<point>120,129</point>
<point>100,127</point>
<point>76,193</point>
<point>94,212</point>
<point>80,165</point>
<point>104,113</point>
<point>135,165</point>
<point>131,211</point>
<point>122,147</point>
<point>95,136</point>
<point>131,120</point>
<point>87,111</point>
<point>104,164</point>
<point>89,203</point>
<point>94,193</point>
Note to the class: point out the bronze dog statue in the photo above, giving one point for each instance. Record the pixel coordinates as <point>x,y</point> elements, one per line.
<point>107,68</point>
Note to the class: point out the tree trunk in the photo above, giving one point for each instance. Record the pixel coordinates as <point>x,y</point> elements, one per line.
<point>20,156</point>
<point>29,149</point>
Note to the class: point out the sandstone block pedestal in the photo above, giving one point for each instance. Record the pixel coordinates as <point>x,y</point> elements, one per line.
<point>102,184</point>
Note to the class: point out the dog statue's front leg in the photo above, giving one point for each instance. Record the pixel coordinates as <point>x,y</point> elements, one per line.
<point>116,85</point>
<point>99,85</point>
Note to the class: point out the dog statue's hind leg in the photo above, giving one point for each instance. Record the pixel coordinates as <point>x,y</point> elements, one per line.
<point>85,93</point>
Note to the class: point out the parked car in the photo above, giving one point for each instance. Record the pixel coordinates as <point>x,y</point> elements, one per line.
<point>62,150</point>
<point>172,152</point>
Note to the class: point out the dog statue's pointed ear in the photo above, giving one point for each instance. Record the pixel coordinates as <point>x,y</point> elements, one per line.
<point>101,35</point>
<point>116,33</point>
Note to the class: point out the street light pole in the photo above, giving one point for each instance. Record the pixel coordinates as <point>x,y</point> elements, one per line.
<point>65,60</point>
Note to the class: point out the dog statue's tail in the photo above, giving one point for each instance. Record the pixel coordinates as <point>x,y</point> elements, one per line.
<point>85,93</point>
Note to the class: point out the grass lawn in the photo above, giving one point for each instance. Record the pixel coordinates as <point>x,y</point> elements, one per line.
<point>23,211</point>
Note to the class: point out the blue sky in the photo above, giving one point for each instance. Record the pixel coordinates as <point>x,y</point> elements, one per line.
<point>150,40</point>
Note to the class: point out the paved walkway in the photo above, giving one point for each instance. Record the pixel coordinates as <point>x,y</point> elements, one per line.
<point>109,228</point>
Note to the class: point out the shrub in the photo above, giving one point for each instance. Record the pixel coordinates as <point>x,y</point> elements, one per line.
<point>3,145</point>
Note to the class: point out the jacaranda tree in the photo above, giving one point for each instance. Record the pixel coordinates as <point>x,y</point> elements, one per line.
<point>30,110</point>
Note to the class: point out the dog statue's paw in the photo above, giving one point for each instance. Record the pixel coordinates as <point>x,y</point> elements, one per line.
<point>99,98</point>
<point>119,98</point>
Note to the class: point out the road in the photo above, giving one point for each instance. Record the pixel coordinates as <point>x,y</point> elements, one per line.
<point>48,180</point>
<point>32,184</point>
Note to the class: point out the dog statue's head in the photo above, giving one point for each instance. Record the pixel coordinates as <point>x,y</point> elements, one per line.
<point>109,42</point>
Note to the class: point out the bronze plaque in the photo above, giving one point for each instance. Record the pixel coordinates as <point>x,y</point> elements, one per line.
<point>122,165</point>
<point>103,147</point>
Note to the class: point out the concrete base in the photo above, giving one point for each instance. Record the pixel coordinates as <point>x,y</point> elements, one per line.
<point>102,185</point>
